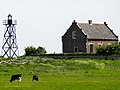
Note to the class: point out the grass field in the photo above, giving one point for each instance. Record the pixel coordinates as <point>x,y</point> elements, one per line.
<point>60,74</point>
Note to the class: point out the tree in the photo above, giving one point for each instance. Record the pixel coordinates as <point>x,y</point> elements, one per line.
<point>40,50</point>
<point>30,50</point>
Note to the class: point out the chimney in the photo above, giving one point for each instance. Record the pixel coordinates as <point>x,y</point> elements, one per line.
<point>74,22</point>
<point>90,22</point>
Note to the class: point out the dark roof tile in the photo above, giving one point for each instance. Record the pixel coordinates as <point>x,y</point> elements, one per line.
<point>97,31</point>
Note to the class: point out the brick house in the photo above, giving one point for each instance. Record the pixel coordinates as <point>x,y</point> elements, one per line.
<point>85,37</point>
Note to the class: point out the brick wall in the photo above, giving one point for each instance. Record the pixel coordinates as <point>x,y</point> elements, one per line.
<point>97,43</point>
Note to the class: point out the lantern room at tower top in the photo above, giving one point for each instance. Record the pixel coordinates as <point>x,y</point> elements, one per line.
<point>9,21</point>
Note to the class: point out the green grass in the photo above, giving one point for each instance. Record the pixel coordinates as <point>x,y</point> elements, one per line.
<point>60,74</point>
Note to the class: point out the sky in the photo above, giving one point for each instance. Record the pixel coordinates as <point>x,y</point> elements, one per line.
<point>43,22</point>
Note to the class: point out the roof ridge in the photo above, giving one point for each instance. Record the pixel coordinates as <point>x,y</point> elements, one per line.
<point>93,23</point>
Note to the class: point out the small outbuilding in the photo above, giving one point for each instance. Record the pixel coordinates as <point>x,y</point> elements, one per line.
<point>85,37</point>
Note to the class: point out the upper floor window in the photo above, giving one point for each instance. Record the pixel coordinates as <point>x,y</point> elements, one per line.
<point>73,34</point>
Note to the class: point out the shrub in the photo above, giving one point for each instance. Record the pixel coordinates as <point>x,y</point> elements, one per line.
<point>30,51</point>
<point>113,49</point>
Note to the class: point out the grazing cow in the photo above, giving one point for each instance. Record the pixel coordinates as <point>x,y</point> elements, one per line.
<point>35,78</point>
<point>16,77</point>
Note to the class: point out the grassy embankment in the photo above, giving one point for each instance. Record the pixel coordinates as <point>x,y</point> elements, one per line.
<point>60,74</point>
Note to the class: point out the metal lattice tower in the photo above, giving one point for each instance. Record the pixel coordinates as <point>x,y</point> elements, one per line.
<point>10,48</point>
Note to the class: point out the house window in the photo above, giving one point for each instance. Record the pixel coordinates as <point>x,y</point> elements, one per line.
<point>99,44</point>
<point>91,48</point>
<point>74,35</point>
<point>109,43</point>
<point>75,48</point>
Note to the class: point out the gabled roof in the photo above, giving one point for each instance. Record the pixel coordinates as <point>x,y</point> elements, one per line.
<point>97,31</point>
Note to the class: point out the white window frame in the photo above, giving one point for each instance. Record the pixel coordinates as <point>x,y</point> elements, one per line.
<point>74,35</point>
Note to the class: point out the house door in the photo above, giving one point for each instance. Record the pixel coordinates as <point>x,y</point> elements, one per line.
<point>91,48</point>
<point>75,48</point>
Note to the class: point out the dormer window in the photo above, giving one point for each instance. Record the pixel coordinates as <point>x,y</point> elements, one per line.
<point>73,34</point>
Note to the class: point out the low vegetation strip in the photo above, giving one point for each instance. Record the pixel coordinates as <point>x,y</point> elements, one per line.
<point>60,74</point>
<point>80,55</point>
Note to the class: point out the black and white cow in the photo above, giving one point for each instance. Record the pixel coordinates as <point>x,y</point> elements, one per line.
<point>16,77</point>
<point>35,78</point>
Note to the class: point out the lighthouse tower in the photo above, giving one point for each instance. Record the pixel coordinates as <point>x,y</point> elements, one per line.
<point>10,48</point>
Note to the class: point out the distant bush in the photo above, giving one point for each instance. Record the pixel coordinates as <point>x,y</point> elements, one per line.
<point>30,51</point>
<point>113,49</point>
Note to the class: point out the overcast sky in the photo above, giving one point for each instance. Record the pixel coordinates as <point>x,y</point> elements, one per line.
<point>43,22</point>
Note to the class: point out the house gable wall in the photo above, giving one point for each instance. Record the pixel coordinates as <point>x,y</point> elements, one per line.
<point>69,43</point>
